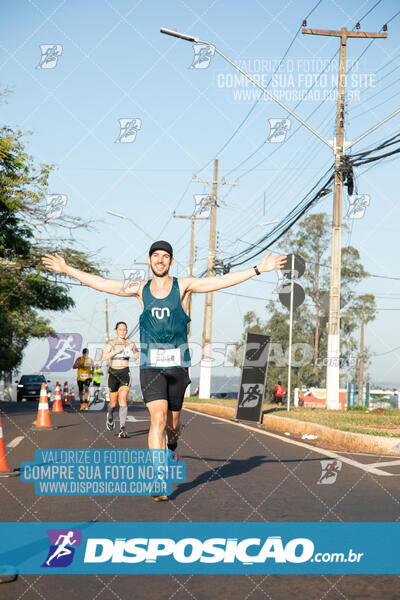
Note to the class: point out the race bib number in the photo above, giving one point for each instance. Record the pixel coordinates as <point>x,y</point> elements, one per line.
<point>83,376</point>
<point>160,357</point>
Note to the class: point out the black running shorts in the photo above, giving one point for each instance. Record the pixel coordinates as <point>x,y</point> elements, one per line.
<point>118,378</point>
<point>165,384</point>
<point>82,384</point>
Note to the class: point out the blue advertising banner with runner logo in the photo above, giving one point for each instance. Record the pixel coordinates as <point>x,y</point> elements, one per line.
<point>206,548</point>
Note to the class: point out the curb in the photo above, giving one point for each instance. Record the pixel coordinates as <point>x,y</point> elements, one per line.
<point>328,438</point>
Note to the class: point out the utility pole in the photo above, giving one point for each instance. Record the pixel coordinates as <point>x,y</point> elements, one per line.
<point>193,219</point>
<point>107,326</point>
<point>205,366</point>
<point>361,360</point>
<point>339,147</point>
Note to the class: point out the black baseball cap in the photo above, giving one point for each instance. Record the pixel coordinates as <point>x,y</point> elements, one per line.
<point>161,245</point>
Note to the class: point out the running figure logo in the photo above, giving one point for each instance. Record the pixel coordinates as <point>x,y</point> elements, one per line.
<point>133,275</point>
<point>202,207</point>
<point>159,312</point>
<point>128,130</point>
<point>358,204</point>
<point>50,56</point>
<point>202,56</point>
<point>252,394</point>
<point>62,547</point>
<point>330,470</point>
<point>131,278</point>
<point>284,283</point>
<point>54,205</point>
<point>278,129</point>
<point>63,347</point>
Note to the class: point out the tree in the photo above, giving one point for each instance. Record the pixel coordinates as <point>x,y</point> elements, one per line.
<point>311,241</point>
<point>25,285</point>
<point>277,325</point>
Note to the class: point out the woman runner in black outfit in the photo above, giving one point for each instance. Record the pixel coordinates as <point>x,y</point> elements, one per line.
<point>118,352</point>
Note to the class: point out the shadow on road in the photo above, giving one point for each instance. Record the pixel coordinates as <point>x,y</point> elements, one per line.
<point>231,468</point>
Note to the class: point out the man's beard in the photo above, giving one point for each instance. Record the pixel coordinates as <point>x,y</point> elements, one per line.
<point>163,274</point>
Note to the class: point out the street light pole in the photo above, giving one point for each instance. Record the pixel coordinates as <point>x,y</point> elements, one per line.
<point>115,214</point>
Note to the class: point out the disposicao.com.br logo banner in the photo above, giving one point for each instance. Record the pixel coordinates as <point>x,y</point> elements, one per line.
<point>206,548</point>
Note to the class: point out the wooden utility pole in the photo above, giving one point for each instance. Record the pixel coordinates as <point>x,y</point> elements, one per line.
<point>205,367</point>
<point>107,326</point>
<point>191,260</point>
<point>193,219</point>
<point>361,360</point>
<point>332,371</point>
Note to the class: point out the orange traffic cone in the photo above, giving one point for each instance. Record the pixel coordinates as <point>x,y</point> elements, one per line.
<point>43,417</point>
<point>65,399</point>
<point>72,395</point>
<point>57,404</point>
<point>4,470</point>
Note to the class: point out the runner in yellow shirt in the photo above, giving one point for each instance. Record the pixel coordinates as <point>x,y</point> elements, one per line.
<point>97,373</point>
<point>84,364</point>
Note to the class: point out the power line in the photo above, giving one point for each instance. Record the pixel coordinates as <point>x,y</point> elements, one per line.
<point>369,11</point>
<point>235,132</point>
<point>313,198</point>
<point>251,110</point>
<point>300,102</point>
<point>388,352</point>
<point>396,95</point>
<point>377,308</point>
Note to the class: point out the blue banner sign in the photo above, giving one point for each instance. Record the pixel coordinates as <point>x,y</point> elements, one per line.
<point>206,548</point>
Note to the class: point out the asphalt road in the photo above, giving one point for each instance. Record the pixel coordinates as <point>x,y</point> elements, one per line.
<point>234,473</point>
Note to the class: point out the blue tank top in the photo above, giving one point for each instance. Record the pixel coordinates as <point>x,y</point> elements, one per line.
<point>163,330</point>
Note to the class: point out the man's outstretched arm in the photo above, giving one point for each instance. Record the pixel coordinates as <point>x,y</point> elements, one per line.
<point>111,286</point>
<point>212,284</point>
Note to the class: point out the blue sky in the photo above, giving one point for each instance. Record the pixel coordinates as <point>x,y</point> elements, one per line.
<point>115,64</point>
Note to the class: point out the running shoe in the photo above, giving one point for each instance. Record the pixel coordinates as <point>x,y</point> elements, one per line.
<point>84,406</point>
<point>174,450</point>
<point>123,433</point>
<point>160,498</point>
<point>110,422</point>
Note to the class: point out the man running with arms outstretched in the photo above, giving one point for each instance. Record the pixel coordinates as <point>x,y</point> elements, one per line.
<point>164,355</point>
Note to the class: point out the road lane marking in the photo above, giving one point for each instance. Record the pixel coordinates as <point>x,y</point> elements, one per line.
<point>388,463</point>
<point>330,454</point>
<point>365,454</point>
<point>14,443</point>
